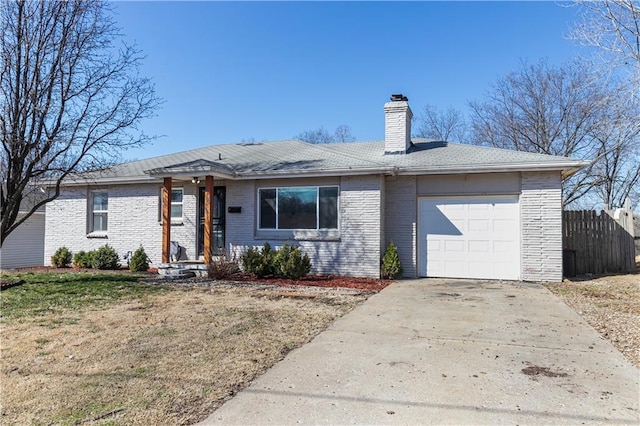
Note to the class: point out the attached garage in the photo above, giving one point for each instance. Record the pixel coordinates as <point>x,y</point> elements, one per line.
<point>469,237</point>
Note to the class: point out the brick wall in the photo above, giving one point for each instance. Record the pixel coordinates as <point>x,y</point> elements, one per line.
<point>356,248</point>
<point>400,220</point>
<point>397,126</point>
<point>132,221</point>
<point>541,222</point>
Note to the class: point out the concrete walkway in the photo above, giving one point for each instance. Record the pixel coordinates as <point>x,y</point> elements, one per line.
<point>448,352</point>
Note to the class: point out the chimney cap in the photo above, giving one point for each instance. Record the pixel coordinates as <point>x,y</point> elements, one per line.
<point>398,97</point>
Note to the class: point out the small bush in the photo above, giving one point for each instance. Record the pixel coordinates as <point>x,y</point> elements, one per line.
<point>250,260</point>
<point>61,258</point>
<point>105,258</point>
<point>288,262</point>
<point>258,262</point>
<point>222,267</point>
<point>139,261</point>
<point>391,267</point>
<point>82,259</point>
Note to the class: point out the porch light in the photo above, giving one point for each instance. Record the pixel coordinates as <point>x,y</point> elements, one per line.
<point>195,180</point>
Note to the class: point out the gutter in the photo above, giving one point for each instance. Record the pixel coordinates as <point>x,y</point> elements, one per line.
<point>569,167</point>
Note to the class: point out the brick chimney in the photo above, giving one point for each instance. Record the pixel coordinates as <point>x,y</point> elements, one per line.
<point>397,125</point>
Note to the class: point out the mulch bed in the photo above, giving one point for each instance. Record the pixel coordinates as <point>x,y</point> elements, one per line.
<point>371,284</point>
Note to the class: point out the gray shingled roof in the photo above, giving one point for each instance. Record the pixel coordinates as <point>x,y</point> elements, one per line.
<point>296,158</point>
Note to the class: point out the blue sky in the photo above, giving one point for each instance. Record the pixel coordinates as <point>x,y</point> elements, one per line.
<point>229,71</point>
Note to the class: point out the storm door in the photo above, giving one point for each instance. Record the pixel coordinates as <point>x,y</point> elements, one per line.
<point>219,209</point>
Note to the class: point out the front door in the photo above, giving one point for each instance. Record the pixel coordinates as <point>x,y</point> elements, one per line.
<point>219,208</point>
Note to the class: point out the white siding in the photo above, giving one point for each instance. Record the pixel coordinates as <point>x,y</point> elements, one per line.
<point>354,251</point>
<point>541,223</point>
<point>132,221</point>
<point>469,184</point>
<point>400,220</point>
<point>133,213</point>
<point>372,210</point>
<point>25,246</point>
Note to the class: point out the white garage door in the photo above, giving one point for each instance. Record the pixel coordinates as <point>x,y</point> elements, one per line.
<point>469,237</point>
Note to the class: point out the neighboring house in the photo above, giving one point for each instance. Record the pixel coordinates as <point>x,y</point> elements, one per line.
<point>24,247</point>
<point>453,210</point>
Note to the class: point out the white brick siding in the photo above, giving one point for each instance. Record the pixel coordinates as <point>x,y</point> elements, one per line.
<point>356,249</point>
<point>400,220</point>
<point>373,211</point>
<point>240,227</point>
<point>397,126</point>
<point>132,221</point>
<point>541,222</point>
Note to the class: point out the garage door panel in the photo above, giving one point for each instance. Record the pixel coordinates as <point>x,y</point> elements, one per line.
<point>505,225</point>
<point>455,265</point>
<point>477,207</point>
<point>454,246</point>
<point>479,270</point>
<point>433,245</point>
<point>479,225</point>
<point>504,246</point>
<point>470,238</point>
<point>480,246</point>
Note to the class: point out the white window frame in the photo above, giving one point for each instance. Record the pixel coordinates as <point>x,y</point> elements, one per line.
<point>317,188</point>
<point>175,219</point>
<point>94,212</point>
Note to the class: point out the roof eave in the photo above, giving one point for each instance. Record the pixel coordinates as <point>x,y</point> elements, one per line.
<point>350,171</point>
<point>565,167</point>
<point>191,173</point>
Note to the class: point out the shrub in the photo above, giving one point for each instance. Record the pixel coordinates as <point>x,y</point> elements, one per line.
<point>82,259</point>
<point>222,267</point>
<point>250,260</point>
<point>391,267</point>
<point>139,261</point>
<point>105,258</point>
<point>288,262</point>
<point>258,262</point>
<point>61,258</point>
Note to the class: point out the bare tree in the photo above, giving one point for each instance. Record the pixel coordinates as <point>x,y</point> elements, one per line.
<point>321,135</point>
<point>544,109</point>
<point>69,98</point>
<point>442,125</point>
<point>613,27</point>
<point>616,171</point>
<point>343,134</point>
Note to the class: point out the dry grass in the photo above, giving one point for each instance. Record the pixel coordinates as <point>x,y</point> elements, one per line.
<point>611,304</point>
<point>169,358</point>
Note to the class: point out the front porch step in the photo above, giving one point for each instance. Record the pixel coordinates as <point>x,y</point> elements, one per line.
<point>176,271</point>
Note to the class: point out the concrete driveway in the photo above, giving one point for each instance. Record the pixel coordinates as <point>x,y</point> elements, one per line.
<point>448,352</point>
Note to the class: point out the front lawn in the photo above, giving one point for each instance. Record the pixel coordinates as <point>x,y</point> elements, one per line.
<point>105,348</point>
<point>49,292</point>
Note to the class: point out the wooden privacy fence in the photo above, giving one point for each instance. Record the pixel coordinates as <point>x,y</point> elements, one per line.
<point>598,243</point>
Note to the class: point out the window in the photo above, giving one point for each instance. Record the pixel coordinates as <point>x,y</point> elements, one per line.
<point>298,208</point>
<point>176,203</point>
<point>177,195</point>
<point>99,211</point>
